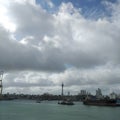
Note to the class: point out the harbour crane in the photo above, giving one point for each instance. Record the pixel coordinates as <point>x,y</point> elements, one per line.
<point>1,86</point>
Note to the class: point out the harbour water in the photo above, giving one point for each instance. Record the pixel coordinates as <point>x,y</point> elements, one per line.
<point>50,110</point>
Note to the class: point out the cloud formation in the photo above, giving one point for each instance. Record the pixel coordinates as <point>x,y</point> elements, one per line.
<point>64,46</point>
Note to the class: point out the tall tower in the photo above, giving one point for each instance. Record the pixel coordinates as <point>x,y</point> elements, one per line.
<point>1,86</point>
<point>62,89</point>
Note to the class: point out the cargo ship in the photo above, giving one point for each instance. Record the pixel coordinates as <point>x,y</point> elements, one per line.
<point>102,102</point>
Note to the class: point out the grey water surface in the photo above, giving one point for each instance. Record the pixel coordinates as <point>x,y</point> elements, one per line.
<point>50,110</point>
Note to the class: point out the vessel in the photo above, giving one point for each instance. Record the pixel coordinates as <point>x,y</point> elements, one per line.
<point>66,102</point>
<point>38,101</point>
<point>102,102</point>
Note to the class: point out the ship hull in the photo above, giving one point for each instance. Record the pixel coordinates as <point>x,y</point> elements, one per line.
<point>66,103</point>
<point>111,103</point>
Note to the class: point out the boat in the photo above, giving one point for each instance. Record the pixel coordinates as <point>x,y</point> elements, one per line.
<point>38,101</point>
<point>102,102</point>
<point>66,102</point>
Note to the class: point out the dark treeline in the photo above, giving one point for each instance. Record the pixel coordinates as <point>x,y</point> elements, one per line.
<point>44,96</point>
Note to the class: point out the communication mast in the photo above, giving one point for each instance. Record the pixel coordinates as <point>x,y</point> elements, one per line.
<point>1,86</point>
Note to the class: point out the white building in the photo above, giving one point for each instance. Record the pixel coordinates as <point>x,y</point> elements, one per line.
<point>113,95</point>
<point>99,94</point>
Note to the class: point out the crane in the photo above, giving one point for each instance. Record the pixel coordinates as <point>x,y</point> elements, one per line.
<point>1,86</point>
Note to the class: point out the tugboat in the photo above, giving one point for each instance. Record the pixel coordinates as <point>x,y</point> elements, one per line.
<point>66,102</point>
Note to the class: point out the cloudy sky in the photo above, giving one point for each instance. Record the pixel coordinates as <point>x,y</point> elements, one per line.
<point>46,42</point>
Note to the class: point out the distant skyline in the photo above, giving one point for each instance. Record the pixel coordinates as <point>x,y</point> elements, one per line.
<point>44,43</point>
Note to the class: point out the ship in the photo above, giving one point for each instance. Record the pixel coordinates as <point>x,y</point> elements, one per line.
<point>102,102</point>
<point>66,102</point>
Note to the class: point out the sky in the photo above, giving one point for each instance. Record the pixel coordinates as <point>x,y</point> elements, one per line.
<point>44,43</point>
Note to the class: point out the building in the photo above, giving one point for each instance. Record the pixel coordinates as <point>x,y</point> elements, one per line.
<point>99,94</point>
<point>113,95</point>
<point>83,92</point>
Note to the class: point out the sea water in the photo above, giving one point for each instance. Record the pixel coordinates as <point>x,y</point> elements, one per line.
<point>50,110</point>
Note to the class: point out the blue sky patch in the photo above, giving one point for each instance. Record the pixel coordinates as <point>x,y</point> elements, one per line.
<point>90,8</point>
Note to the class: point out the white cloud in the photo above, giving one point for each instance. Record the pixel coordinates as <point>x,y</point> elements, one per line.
<point>74,80</point>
